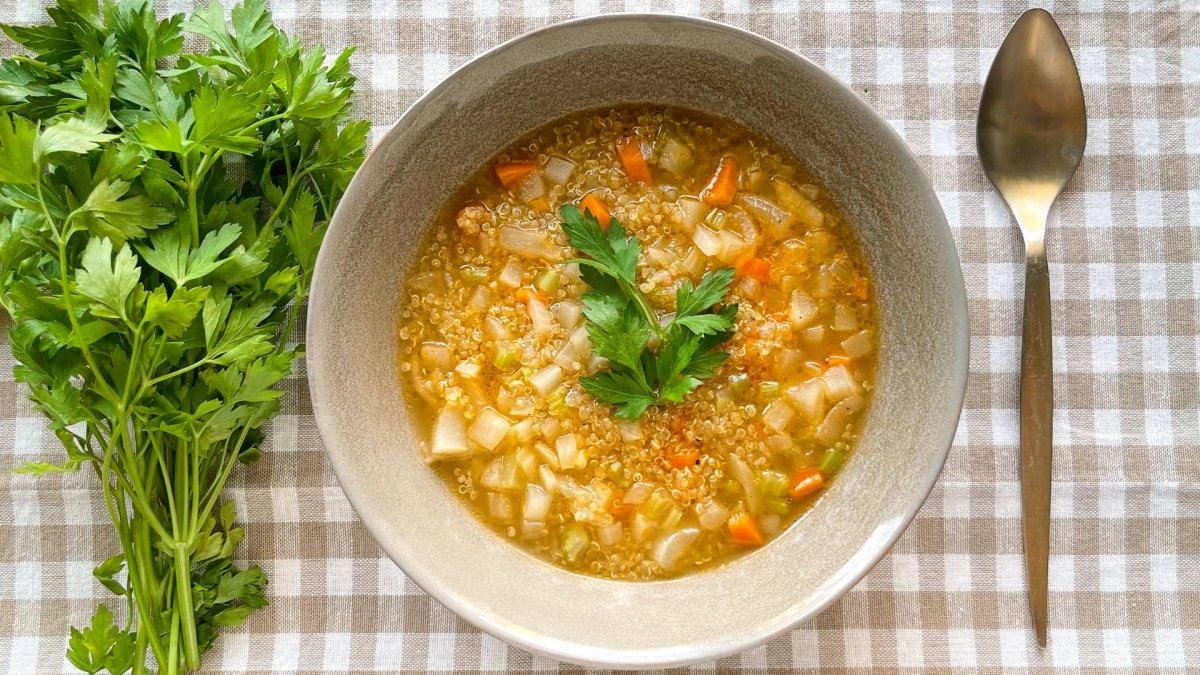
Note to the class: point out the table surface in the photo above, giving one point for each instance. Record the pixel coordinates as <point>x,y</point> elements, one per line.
<point>1123,245</point>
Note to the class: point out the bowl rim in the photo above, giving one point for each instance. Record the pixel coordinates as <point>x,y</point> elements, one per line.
<point>856,568</point>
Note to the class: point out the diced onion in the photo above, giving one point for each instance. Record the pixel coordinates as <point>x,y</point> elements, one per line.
<point>693,210</point>
<point>844,319</point>
<point>802,310</point>
<point>778,414</point>
<point>546,379</point>
<point>569,456</point>
<point>773,218</point>
<point>630,431</point>
<point>770,524</point>
<point>489,428</point>
<point>499,506</point>
<point>523,431</point>
<point>821,284</point>
<point>831,428</point>
<point>510,275</point>
<point>859,344</point>
<point>527,461</point>
<point>733,246</point>
<point>468,369</point>
<point>813,335</point>
<point>501,474</point>
<point>839,384</point>
<point>546,475</point>
<point>449,434</point>
<point>609,535</point>
<point>779,442</point>
<point>693,262</point>
<point>712,515</point>
<point>675,157</point>
<point>638,493</point>
<point>548,454</point>
<point>641,527</point>
<point>540,317</point>
<point>568,312</point>
<point>559,169</point>
<point>533,529</point>
<point>742,473</point>
<point>436,356</point>
<point>533,243</point>
<point>809,398</point>
<point>531,187</point>
<point>670,547</point>
<point>707,241</point>
<point>537,503</point>
<point>496,329</point>
<point>790,361</point>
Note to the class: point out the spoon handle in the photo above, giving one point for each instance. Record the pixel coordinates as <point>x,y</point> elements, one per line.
<point>1037,412</point>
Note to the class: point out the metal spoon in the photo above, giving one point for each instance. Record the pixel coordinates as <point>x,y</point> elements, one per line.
<point>1031,133</point>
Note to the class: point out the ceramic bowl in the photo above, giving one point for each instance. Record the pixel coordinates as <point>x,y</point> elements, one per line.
<point>456,128</point>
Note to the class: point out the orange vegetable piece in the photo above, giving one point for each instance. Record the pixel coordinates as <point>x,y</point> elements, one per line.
<point>723,186</point>
<point>755,268</point>
<point>524,294</point>
<point>743,530</point>
<point>629,150</point>
<point>540,204</point>
<point>593,205</point>
<point>618,508</point>
<point>684,459</point>
<point>861,288</point>
<point>806,481</point>
<point>512,172</point>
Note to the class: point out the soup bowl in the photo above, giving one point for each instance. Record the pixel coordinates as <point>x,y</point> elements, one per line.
<point>374,441</point>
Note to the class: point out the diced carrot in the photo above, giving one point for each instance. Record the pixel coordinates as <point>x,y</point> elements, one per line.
<point>629,150</point>
<point>806,481</point>
<point>512,172</point>
<point>756,268</point>
<point>861,288</point>
<point>838,360</point>
<point>618,508</point>
<point>524,294</point>
<point>684,459</point>
<point>540,204</point>
<point>743,530</point>
<point>723,186</point>
<point>593,205</point>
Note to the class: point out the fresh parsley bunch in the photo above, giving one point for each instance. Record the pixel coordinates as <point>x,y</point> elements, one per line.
<point>621,322</point>
<point>160,214</point>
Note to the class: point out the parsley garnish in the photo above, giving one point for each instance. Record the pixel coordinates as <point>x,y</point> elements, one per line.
<point>620,322</point>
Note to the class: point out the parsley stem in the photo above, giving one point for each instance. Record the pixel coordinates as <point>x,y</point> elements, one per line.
<point>183,592</point>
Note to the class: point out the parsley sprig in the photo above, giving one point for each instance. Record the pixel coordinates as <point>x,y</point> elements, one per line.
<point>621,321</point>
<point>162,201</point>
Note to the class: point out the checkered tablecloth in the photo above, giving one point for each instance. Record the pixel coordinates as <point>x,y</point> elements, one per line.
<point>1123,245</point>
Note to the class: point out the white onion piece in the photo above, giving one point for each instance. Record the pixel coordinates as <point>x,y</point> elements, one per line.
<point>510,275</point>
<point>522,406</point>
<point>449,434</point>
<point>741,471</point>
<point>773,218</point>
<point>641,527</point>
<point>693,262</point>
<point>489,428</point>
<point>559,169</point>
<point>533,243</point>
<point>770,524</point>
<point>630,431</point>
<point>523,431</point>
<point>638,493</point>
<point>548,455</point>
<point>569,456</point>
<point>527,460</point>
<point>545,380</point>
<point>496,329</point>
<point>675,157</point>
<point>733,246</point>
<point>540,317</point>
<point>609,535</point>
<point>549,480</point>
<point>693,211</point>
<point>499,506</point>
<point>532,529</point>
<point>712,515</point>
<point>576,350</point>
<point>480,299</point>
<point>707,241</point>
<point>790,361</point>
<point>859,344</point>
<point>821,284</point>
<point>436,356</point>
<point>670,547</point>
<point>778,414</point>
<point>779,442</point>
<point>802,310</point>
<point>537,503</point>
<point>844,319</point>
<point>839,384</point>
<point>568,312</point>
<point>809,398</point>
<point>531,187</point>
<point>813,335</point>
<point>831,428</point>
<point>468,369</point>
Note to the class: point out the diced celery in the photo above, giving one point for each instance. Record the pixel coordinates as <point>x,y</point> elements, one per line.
<point>506,358</point>
<point>832,461</point>
<point>575,540</point>
<point>474,274</point>
<point>549,281</point>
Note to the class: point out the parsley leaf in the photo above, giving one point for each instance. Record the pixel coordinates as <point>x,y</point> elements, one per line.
<point>620,322</point>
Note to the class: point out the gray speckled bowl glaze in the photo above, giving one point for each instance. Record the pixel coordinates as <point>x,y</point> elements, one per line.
<point>456,128</point>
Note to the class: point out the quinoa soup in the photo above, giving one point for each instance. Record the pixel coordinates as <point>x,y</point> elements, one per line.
<point>498,353</point>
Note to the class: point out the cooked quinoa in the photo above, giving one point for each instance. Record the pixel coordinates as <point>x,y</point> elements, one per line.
<point>492,346</point>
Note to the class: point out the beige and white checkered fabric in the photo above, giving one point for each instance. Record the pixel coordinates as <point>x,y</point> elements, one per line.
<point>1124,247</point>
